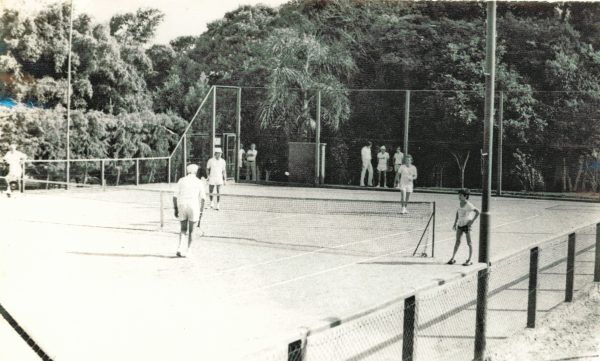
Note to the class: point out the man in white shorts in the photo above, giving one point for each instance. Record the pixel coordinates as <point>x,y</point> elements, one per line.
<point>382,166</point>
<point>398,159</point>
<point>365,155</point>
<point>14,159</point>
<point>408,173</point>
<point>188,203</point>
<point>217,174</point>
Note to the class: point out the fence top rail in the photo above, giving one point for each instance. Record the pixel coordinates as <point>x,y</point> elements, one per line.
<point>93,159</point>
<point>546,240</point>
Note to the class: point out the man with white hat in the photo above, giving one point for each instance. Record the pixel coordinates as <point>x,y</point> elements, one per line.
<point>217,174</point>
<point>188,203</point>
<point>14,159</point>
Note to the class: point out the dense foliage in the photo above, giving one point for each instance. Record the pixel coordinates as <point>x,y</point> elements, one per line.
<point>548,70</point>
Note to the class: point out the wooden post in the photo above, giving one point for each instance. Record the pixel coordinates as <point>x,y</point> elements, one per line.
<point>102,177</point>
<point>570,269</point>
<point>137,172</point>
<point>533,283</point>
<point>408,333</point>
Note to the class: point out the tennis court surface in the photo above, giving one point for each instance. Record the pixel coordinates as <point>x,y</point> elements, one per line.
<point>92,275</point>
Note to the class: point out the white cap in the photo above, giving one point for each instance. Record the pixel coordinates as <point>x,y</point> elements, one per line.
<point>192,169</point>
<point>218,150</point>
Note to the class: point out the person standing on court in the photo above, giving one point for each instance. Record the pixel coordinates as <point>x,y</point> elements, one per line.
<point>466,214</point>
<point>14,159</point>
<point>382,165</point>
<point>217,176</point>
<point>365,155</point>
<point>241,158</point>
<point>398,159</point>
<point>408,173</point>
<point>188,204</point>
<point>251,162</point>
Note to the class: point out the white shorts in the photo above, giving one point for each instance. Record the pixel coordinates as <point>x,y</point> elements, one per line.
<point>382,168</point>
<point>408,188</point>
<point>215,181</point>
<point>189,212</point>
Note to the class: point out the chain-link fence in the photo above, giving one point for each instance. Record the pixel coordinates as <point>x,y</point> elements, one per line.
<point>439,322</point>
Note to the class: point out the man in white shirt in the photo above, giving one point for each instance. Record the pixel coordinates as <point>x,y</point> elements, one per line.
<point>217,175</point>
<point>251,162</point>
<point>188,204</point>
<point>398,160</point>
<point>14,159</point>
<point>408,173</point>
<point>365,155</point>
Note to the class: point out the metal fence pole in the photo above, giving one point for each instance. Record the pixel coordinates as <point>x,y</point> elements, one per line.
<point>169,170</point>
<point>406,120</point>
<point>238,130</point>
<point>102,177</point>
<point>533,283</point>
<point>408,333</point>
<point>500,136</point>
<point>317,137</point>
<point>597,261</point>
<point>22,177</point>
<point>570,269</point>
<point>184,153</point>
<point>137,172</point>
<point>433,234</point>
<point>162,209</point>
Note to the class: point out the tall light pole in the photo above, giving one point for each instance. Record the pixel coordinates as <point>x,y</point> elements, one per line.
<point>486,154</point>
<point>69,95</point>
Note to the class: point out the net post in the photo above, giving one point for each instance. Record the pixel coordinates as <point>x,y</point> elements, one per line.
<point>162,210</point>
<point>102,177</point>
<point>570,268</point>
<point>137,171</point>
<point>296,348</point>
<point>597,260</point>
<point>533,284</point>
<point>317,137</point>
<point>408,333</point>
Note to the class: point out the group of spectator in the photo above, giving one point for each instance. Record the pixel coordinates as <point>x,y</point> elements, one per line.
<point>247,159</point>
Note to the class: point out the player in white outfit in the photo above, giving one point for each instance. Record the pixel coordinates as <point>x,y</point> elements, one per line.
<point>217,174</point>
<point>14,159</point>
<point>466,214</point>
<point>408,173</point>
<point>188,203</point>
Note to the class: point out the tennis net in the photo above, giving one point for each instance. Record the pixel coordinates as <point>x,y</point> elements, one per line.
<point>341,226</point>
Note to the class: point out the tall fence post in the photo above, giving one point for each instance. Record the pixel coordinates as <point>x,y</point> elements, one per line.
<point>137,172</point>
<point>162,209</point>
<point>185,153</point>
<point>408,333</point>
<point>238,130</point>
<point>406,120</point>
<point>102,176</point>
<point>500,136</point>
<point>533,284</point>
<point>597,261</point>
<point>317,137</point>
<point>570,268</point>
<point>213,120</point>
<point>22,185</point>
<point>169,170</point>
<point>433,233</point>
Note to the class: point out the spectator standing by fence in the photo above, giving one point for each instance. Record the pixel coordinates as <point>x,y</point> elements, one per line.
<point>365,154</point>
<point>251,155</point>
<point>14,159</point>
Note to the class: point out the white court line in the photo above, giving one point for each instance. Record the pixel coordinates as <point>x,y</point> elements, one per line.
<point>357,262</point>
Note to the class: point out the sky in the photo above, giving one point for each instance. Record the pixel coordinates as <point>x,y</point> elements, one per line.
<point>182,17</point>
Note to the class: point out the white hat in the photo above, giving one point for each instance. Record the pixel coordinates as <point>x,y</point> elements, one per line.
<point>192,169</point>
<point>218,150</point>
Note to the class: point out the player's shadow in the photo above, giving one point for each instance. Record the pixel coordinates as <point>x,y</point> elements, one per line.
<point>124,255</point>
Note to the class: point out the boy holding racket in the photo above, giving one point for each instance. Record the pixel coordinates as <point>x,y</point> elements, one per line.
<point>466,214</point>
<point>188,203</point>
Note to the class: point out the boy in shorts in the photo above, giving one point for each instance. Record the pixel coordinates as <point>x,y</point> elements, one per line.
<point>408,173</point>
<point>466,214</point>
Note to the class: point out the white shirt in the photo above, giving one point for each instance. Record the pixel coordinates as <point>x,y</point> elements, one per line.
<point>365,153</point>
<point>407,173</point>
<point>14,162</point>
<point>251,155</point>
<point>190,189</point>
<point>398,157</point>
<point>383,159</point>
<point>241,157</point>
<point>466,214</point>
<point>216,170</point>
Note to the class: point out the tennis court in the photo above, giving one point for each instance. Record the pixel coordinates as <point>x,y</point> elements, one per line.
<point>92,275</point>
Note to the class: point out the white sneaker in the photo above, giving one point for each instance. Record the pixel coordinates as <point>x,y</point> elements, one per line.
<point>403,211</point>
<point>217,207</point>
<point>385,186</point>
<point>212,204</point>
